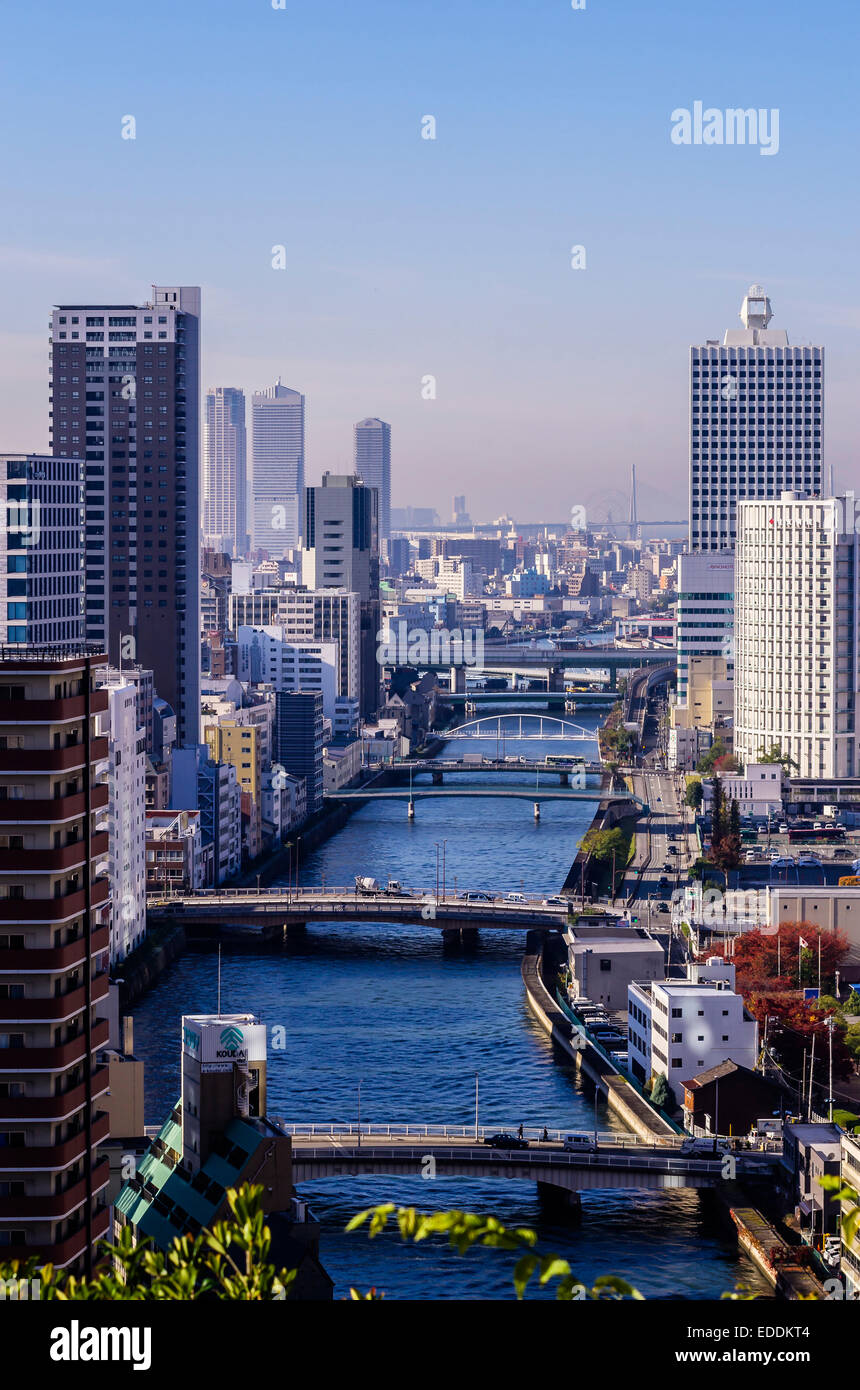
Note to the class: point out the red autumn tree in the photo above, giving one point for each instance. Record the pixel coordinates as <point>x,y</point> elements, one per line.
<point>772,962</point>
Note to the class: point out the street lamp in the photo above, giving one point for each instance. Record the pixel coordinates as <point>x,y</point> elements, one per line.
<point>359,1115</point>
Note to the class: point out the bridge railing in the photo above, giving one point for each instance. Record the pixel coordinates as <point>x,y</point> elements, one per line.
<point>533,1133</point>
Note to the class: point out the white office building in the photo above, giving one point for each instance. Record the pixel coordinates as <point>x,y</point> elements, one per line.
<point>796,662</point>
<point>267,655</point>
<point>756,407</point>
<point>126,767</point>
<point>308,615</point>
<point>373,466</point>
<point>277,468</point>
<point>224,471</point>
<point>678,1028</point>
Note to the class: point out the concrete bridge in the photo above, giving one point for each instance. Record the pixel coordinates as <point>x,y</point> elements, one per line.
<point>518,658</point>
<point>272,913</point>
<point>439,766</point>
<point>552,698</point>
<point>618,804</point>
<point>619,1161</point>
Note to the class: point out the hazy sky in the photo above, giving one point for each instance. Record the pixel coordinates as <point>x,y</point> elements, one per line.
<point>408,257</point>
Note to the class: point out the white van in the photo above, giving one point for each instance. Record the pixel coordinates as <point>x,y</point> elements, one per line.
<point>704,1147</point>
<point>579,1144</point>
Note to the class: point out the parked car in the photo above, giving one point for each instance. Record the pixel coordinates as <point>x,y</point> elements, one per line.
<point>783,829</point>
<point>782,861</point>
<point>506,1141</point>
<point>750,856</point>
<point>662,907</point>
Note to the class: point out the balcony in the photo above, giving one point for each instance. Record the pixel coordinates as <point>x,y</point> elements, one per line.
<point>36,760</point>
<point>53,1008</point>
<point>57,1107</point>
<point>53,809</point>
<point>21,910</point>
<point>55,957</point>
<point>33,861</point>
<point>60,1058</point>
<point>52,711</point>
<point>60,1205</point>
<point>16,1160</point>
<point>65,1252</point>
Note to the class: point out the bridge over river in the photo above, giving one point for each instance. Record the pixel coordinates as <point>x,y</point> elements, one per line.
<point>272,912</point>
<point>618,1161</point>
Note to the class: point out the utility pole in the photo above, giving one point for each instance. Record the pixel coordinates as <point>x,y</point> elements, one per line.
<point>830,1023</point>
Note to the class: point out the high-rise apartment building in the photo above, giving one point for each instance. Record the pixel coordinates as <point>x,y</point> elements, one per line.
<point>225,526</point>
<point>756,407</point>
<point>125,392</point>
<point>277,468</point>
<point>342,552</point>
<point>796,632</point>
<point>299,740</point>
<point>126,821</point>
<point>41,549</point>
<point>373,466</point>
<point>54,944</point>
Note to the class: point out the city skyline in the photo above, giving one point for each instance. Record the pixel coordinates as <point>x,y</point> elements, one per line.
<point>434,271</point>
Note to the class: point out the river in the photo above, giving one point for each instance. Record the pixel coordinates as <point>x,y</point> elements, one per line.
<point>387,1007</point>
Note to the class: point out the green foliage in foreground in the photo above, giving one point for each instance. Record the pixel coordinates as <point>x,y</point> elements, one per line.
<point>230,1261</point>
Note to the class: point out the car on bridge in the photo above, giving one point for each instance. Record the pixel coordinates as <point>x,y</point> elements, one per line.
<point>475,896</point>
<point>515,898</point>
<point>554,902</point>
<point>506,1141</point>
<point>579,1144</point>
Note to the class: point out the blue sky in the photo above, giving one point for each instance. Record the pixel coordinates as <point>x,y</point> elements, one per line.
<point>408,257</point>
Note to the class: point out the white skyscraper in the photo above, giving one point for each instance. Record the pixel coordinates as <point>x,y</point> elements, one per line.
<point>796,632</point>
<point>224,471</point>
<point>373,466</point>
<point>755,422</point>
<point>277,468</point>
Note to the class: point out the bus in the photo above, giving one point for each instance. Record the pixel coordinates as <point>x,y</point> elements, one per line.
<point>825,832</point>
<point>564,760</point>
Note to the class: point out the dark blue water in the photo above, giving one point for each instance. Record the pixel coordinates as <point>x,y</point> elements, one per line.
<point>413,1023</point>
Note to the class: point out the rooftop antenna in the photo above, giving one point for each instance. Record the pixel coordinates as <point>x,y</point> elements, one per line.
<point>219,980</point>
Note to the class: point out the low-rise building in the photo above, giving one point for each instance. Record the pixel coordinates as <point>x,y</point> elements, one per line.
<point>730,1099</point>
<point>175,858</point>
<point>809,1153</point>
<point>680,1028</point>
<point>603,961</point>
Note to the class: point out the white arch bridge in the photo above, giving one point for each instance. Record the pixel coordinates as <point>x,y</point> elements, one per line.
<point>525,727</point>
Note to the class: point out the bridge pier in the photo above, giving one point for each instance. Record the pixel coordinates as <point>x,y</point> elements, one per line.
<point>438,779</point>
<point>410,809</point>
<point>457,680</point>
<point>564,779</point>
<point>295,929</point>
<point>537,810</point>
<point>561,1202</point>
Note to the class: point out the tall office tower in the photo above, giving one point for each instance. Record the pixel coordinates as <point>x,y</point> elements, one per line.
<point>796,663</point>
<point>755,422</point>
<point>54,941</point>
<point>41,549</point>
<point>706,613</point>
<point>342,552</point>
<point>125,392</point>
<point>373,466</point>
<point>277,468</point>
<point>225,526</point>
<point>299,740</point>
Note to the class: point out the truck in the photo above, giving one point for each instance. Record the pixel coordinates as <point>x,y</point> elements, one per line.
<point>395,888</point>
<point>474,759</point>
<point>369,886</point>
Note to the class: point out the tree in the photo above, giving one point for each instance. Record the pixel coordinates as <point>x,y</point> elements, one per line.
<point>601,844</point>
<point>662,1094</point>
<point>705,763</point>
<point>852,1003</point>
<point>774,961</point>
<point>229,1261</point>
<point>695,793</point>
<point>774,754</point>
